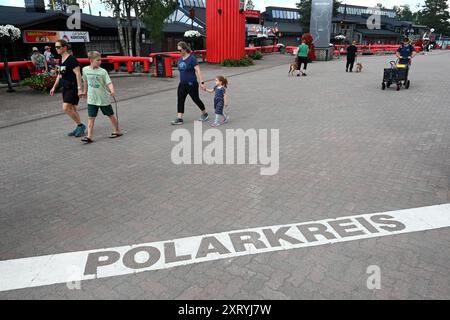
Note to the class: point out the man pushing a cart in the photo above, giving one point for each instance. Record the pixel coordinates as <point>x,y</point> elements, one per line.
<point>406,52</point>
<point>398,73</point>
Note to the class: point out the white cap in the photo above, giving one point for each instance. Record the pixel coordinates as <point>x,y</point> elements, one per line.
<point>35,49</point>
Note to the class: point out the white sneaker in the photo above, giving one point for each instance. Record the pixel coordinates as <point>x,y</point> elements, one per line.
<point>226,120</point>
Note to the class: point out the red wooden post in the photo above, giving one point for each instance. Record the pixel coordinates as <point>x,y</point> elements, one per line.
<point>225,30</point>
<point>15,73</point>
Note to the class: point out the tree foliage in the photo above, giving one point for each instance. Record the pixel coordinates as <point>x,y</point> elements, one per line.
<point>59,4</point>
<point>154,12</point>
<point>249,5</point>
<point>404,13</point>
<point>435,14</point>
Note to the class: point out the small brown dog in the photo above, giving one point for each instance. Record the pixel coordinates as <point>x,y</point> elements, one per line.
<point>359,67</point>
<point>292,69</point>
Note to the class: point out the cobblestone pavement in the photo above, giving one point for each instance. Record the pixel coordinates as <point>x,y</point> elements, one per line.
<point>27,104</point>
<point>346,148</point>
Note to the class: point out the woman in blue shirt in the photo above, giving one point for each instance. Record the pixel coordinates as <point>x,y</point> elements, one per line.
<point>189,72</point>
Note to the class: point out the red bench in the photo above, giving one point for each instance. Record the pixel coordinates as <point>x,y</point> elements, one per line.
<point>117,60</point>
<point>14,67</point>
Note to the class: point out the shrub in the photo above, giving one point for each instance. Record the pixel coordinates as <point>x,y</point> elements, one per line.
<point>42,82</point>
<point>256,55</point>
<point>245,61</point>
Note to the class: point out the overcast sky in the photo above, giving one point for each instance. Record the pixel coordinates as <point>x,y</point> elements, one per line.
<point>96,5</point>
<point>261,4</point>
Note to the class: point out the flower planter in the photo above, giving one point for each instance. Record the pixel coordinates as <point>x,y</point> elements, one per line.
<point>41,82</point>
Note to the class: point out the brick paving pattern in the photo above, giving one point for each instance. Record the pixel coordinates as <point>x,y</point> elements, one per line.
<point>346,148</point>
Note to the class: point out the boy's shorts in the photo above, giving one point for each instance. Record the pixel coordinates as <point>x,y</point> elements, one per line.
<point>93,110</point>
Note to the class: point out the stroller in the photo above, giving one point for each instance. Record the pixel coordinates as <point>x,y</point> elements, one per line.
<point>398,74</point>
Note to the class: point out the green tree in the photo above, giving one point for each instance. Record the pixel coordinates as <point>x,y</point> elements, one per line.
<point>249,5</point>
<point>58,5</point>
<point>404,13</point>
<point>304,8</point>
<point>116,5</point>
<point>154,12</point>
<point>435,14</point>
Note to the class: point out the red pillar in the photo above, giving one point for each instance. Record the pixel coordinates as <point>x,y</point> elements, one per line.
<point>225,30</point>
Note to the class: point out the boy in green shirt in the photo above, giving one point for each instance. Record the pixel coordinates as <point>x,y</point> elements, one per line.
<point>98,88</point>
<point>303,51</point>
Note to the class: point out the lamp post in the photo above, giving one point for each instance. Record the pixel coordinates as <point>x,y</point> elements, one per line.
<point>262,31</point>
<point>192,16</point>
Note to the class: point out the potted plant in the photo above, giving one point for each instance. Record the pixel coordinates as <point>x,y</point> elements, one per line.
<point>41,82</point>
<point>339,39</point>
<point>9,34</point>
<point>192,37</point>
<point>281,48</point>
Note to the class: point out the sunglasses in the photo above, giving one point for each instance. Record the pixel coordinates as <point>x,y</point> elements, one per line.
<point>58,47</point>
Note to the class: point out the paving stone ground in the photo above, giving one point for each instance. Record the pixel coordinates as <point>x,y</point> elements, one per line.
<point>27,104</point>
<point>346,148</point>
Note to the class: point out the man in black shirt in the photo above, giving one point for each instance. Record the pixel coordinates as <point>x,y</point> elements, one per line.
<point>352,51</point>
<point>69,77</point>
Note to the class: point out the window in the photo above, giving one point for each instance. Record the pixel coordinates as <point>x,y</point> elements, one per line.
<point>285,14</point>
<point>360,11</point>
<point>181,17</point>
<point>104,44</point>
<point>193,3</point>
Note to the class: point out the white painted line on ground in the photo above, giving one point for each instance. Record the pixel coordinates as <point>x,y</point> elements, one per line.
<point>102,263</point>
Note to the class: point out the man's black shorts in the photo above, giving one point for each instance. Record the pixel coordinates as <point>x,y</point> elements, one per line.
<point>70,95</point>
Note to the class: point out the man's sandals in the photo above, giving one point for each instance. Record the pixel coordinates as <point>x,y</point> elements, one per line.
<point>115,135</point>
<point>87,140</point>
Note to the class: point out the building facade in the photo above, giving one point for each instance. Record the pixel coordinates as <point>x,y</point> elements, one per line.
<point>372,25</point>
<point>189,15</point>
<point>286,24</point>
<point>41,27</point>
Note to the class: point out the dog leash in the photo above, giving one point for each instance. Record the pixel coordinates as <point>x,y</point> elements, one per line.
<point>117,113</point>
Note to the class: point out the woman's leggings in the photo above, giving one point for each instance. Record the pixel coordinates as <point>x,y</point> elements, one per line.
<point>183,91</point>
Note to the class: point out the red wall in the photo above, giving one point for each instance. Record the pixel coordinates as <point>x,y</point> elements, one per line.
<point>225,33</point>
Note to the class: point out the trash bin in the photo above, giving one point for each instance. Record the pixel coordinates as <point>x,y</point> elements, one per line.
<point>163,65</point>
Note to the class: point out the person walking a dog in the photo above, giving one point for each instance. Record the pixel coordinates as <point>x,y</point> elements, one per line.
<point>302,58</point>
<point>189,73</point>
<point>352,52</point>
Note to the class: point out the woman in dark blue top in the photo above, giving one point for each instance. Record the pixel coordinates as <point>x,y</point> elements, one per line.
<point>189,72</point>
